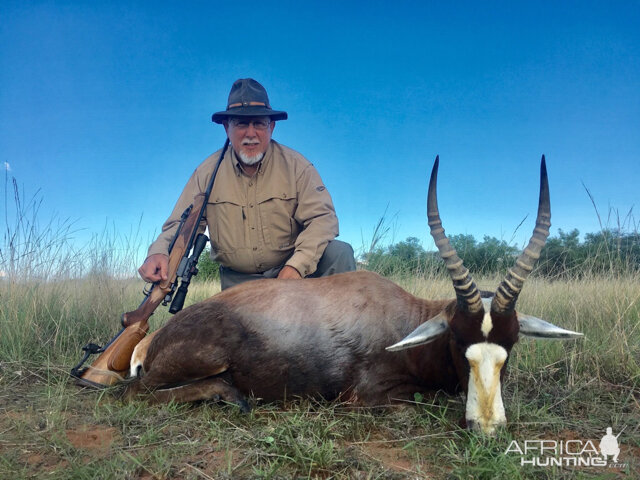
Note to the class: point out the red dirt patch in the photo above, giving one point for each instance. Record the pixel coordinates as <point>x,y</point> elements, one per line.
<point>211,461</point>
<point>392,458</point>
<point>96,438</point>
<point>42,462</point>
<point>567,434</point>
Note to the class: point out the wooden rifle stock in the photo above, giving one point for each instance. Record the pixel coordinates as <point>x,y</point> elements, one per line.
<point>112,364</point>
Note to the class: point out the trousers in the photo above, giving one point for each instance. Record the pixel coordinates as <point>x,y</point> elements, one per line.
<point>338,257</point>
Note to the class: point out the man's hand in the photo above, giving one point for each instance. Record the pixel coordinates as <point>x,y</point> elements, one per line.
<point>155,268</point>
<point>289,272</point>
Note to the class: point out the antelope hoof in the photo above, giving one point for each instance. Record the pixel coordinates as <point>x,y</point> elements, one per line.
<point>243,405</point>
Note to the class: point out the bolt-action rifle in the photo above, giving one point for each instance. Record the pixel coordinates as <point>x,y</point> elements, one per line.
<point>113,363</point>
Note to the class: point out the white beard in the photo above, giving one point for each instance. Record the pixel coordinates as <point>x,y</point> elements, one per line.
<point>247,160</point>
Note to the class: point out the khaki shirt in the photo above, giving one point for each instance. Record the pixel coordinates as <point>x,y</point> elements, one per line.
<point>281,215</point>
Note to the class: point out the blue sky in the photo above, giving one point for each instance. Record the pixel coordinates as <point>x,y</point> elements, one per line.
<point>105,107</point>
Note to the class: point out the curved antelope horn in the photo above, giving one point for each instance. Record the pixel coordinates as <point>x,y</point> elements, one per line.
<point>466,291</point>
<point>507,293</point>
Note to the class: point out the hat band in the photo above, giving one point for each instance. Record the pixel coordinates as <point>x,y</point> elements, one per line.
<point>248,104</point>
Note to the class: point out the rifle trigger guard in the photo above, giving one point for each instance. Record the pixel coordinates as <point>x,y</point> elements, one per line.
<point>89,349</point>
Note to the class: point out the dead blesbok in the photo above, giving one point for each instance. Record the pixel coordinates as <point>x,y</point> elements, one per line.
<point>330,337</point>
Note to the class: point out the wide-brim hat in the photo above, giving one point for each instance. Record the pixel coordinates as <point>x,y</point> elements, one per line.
<point>248,99</point>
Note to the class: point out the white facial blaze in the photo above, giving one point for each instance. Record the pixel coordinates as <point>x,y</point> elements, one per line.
<point>485,409</point>
<point>487,323</point>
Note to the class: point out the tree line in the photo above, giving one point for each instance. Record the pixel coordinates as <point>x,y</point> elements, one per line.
<point>564,256</point>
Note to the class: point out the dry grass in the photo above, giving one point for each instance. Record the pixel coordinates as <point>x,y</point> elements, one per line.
<point>553,389</point>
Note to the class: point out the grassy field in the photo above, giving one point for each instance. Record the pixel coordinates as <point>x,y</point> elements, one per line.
<point>561,391</point>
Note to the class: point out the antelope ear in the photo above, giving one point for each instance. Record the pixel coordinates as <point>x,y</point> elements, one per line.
<point>425,333</point>
<point>535,327</point>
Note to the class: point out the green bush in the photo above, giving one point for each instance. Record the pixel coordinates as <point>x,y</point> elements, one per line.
<point>610,251</point>
<point>208,269</point>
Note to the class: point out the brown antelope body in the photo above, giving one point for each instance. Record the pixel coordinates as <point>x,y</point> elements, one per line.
<point>330,337</point>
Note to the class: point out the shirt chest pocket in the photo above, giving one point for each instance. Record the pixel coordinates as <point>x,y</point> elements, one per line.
<point>226,221</point>
<point>277,211</point>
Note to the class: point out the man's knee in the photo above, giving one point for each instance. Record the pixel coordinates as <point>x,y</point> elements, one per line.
<point>230,278</point>
<point>341,251</point>
<point>338,257</point>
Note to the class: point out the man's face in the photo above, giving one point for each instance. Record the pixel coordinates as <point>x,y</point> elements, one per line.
<point>250,137</point>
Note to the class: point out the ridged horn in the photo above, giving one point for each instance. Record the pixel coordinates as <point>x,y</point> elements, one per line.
<point>507,293</point>
<point>466,291</point>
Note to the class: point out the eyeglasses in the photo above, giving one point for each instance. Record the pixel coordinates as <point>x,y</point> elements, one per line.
<point>258,124</point>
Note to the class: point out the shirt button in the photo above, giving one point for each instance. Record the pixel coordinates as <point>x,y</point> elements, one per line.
<point>251,184</point>
<point>251,205</point>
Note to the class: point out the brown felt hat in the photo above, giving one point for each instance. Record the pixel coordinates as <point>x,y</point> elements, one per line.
<point>248,99</point>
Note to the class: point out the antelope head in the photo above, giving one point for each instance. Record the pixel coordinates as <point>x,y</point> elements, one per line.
<point>483,330</point>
